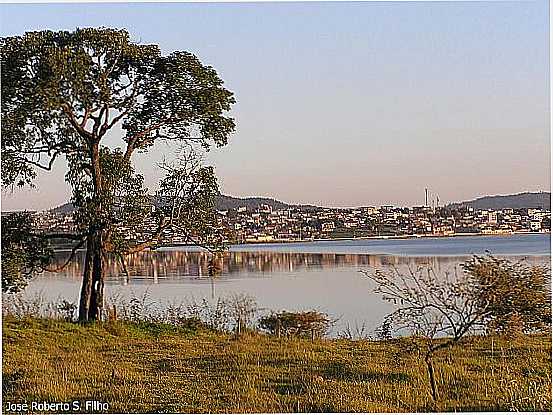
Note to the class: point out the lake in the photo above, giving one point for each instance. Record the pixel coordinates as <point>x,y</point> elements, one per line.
<point>321,275</point>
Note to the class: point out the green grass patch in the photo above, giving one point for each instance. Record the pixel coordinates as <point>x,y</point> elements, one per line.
<point>150,367</point>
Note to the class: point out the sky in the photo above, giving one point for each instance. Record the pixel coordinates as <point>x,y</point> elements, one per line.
<point>348,104</point>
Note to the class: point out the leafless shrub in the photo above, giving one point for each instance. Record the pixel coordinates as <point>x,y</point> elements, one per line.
<point>67,310</point>
<point>175,313</point>
<point>214,315</point>
<point>439,310</point>
<point>242,311</point>
<point>356,332</point>
<point>135,309</point>
<point>19,305</point>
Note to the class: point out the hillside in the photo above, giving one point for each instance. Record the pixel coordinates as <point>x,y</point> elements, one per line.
<point>517,201</point>
<point>223,203</point>
<point>229,202</point>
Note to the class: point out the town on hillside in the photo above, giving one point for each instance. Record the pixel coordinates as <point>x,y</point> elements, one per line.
<point>292,224</point>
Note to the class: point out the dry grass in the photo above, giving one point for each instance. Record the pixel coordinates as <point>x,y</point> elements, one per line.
<point>160,368</point>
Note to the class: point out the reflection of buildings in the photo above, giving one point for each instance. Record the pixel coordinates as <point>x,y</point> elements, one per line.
<point>157,266</point>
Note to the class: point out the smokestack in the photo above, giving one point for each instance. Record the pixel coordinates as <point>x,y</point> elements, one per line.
<point>425,196</point>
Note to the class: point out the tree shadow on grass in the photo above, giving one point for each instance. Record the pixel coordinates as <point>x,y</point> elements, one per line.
<point>11,383</point>
<point>341,371</point>
<point>288,387</point>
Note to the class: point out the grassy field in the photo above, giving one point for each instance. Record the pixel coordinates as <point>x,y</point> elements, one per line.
<point>157,368</point>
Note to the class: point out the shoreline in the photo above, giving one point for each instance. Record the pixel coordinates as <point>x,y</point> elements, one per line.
<point>383,237</point>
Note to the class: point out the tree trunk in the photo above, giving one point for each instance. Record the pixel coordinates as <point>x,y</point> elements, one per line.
<point>92,294</point>
<point>98,273</point>
<point>430,367</point>
<point>86,289</point>
<point>92,290</point>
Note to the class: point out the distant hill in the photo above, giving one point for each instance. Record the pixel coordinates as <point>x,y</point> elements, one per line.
<point>230,202</point>
<point>517,201</point>
<point>63,209</point>
<point>223,203</point>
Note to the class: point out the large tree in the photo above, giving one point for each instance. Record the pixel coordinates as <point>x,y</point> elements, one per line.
<point>68,94</point>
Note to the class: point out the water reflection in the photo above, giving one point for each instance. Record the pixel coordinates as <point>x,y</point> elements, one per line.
<point>328,282</point>
<point>170,266</point>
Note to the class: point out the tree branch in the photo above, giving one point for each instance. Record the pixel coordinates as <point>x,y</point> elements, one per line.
<point>132,141</point>
<point>37,164</point>
<point>68,261</point>
<point>75,124</point>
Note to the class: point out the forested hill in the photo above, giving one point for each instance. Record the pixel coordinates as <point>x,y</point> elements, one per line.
<point>518,201</point>
<point>223,203</point>
<point>229,202</point>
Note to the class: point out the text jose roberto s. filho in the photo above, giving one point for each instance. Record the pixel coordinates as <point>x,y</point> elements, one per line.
<point>88,406</point>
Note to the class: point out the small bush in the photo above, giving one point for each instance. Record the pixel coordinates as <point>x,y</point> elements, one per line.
<point>67,310</point>
<point>516,297</point>
<point>300,324</point>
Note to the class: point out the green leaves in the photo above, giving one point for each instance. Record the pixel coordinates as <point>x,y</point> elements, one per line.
<point>64,92</point>
<point>515,296</point>
<point>182,99</point>
<point>24,254</point>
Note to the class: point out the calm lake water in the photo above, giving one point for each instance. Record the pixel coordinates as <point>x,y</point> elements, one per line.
<point>296,276</point>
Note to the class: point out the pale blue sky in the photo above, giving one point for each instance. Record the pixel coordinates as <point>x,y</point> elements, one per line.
<point>346,104</point>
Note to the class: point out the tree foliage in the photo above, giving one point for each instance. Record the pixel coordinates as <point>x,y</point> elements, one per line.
<point>517,296</point>
<point>65,93</point>
<point>24,254</point>
<point>61,88</point>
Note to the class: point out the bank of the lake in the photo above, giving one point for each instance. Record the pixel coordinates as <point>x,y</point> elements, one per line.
<point>530,244</point>
<point>160,368</point>
<point>377,237</point>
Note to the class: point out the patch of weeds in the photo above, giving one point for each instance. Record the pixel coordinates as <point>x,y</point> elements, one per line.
<point>152,329</point>
<point>116,328</point>
<point>318,407</point>
<point>279,362</point>
<point>192,325</point>
<point>457,387</point>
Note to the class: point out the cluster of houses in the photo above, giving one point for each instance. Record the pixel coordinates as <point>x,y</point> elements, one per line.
<point>263,224</point>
